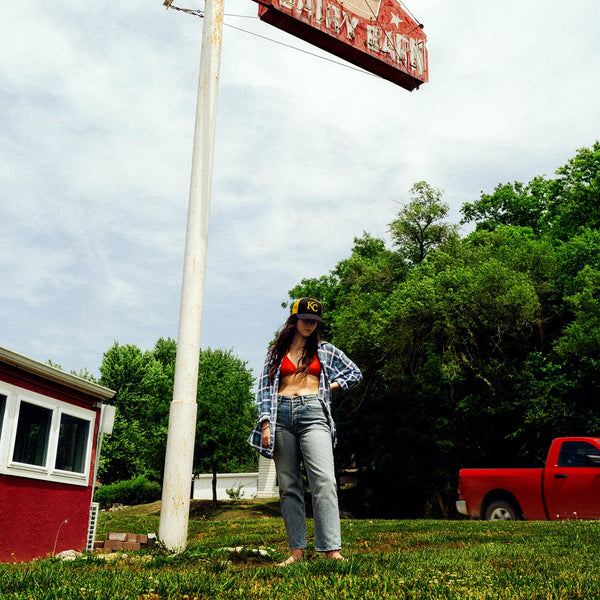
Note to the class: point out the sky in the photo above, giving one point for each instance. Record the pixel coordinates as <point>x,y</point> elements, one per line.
<point>98,106</point>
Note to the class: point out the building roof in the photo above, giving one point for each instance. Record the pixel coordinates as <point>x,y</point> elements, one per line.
<point>53,374</point>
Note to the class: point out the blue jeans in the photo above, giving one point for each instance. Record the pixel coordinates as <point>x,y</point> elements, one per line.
<point>303,434</point>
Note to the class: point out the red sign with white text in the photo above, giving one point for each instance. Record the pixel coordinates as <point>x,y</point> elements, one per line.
<point>376,35</point>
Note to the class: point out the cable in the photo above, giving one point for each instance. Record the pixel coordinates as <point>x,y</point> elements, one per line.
<point>189,11</point>
<point>200,13</point>
<point>417,21</point>
<point>335,62</point>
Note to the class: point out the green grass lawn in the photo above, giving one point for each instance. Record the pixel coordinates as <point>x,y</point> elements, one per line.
<point>417,559</point>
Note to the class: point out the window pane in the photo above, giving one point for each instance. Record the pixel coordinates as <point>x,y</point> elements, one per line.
<point>574,454</point>
<point>72,444</point>
<point>33,430</point>
<point>2,407</point>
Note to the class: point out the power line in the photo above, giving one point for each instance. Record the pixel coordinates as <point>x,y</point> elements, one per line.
<point>200,13</point>
<point>418,21</point>
<point>335,62</point>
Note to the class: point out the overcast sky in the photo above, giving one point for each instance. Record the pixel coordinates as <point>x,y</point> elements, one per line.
<point>98,104</point>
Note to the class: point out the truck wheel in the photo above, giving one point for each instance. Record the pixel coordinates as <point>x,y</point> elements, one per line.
<point>501,510</point>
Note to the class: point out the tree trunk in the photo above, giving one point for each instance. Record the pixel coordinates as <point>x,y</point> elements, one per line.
<point>441,503</point>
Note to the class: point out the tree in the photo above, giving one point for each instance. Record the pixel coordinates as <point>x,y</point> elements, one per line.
<point>449,342</point>
<point>574,195</point>
<point>352,295</point>
<point>144,389</point>
<point>144,385</point>
<point>443,346</point>
<point>477,355</point>
<point>510,204</point>
<point>560,207</point>
<point>226,415</point>
<point>419,226</point>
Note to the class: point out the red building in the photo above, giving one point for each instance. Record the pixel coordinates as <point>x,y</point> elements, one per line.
<point>51,426</point>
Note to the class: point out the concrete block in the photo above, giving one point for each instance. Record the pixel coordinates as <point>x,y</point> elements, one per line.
<point>121,537</point>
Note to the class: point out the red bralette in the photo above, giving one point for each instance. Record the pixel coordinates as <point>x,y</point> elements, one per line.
<point>289,368</point>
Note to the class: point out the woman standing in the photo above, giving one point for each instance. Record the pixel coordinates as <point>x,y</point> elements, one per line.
<point>295,425</point>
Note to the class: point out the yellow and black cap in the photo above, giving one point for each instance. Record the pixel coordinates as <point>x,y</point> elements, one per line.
<point>308,309</point>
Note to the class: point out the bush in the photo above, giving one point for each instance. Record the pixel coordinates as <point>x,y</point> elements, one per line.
<point>138,490</point>
<point>235,493</point>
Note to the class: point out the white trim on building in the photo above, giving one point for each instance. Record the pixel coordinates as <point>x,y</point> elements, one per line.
<point>267,479</point>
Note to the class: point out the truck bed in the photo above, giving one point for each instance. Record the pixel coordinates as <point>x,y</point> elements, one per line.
<point>568,487</point>
<point>482,486</point>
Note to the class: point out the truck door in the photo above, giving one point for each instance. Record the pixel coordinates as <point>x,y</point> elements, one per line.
<point>572,487</point>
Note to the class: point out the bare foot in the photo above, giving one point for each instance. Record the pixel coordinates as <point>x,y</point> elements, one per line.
<point>334,554</point>
<point>296,556</point>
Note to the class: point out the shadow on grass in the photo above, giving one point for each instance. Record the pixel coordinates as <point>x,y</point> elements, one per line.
<point>233,510</point>
<point>229,510</point>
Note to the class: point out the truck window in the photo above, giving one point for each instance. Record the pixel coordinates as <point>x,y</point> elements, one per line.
<point>575,454</point>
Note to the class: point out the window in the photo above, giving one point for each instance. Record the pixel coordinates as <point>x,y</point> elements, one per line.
<point>72,444</point>
<point>575,454</point>
<point>45,438</point>
<point>2,409</point>
<point>33,430</point>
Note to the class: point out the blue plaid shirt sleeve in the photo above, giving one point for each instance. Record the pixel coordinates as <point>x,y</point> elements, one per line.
<point>335,366</point>
<point>265,406</point>
<point>339,367</point>
<point>264,393</point>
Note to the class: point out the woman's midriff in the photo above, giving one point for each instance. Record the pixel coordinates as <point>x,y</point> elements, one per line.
<point>299,385</point>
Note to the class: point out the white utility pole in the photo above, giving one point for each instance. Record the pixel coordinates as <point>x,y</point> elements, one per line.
<point>175,508</point>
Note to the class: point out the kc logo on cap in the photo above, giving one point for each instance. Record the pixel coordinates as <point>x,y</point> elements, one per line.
<point>308,308</point>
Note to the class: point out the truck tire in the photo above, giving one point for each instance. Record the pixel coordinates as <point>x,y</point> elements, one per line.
<point>501,510</point>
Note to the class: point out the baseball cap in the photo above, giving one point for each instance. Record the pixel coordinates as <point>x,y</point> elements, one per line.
<point>308,308</point>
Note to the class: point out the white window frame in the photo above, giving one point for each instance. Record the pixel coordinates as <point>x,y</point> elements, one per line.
<point>3,427</point>
<point>15,397</point>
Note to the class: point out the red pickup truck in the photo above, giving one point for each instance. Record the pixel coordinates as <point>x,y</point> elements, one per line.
<point>568,487</point>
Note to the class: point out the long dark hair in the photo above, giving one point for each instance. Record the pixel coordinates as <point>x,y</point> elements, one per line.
<point>282,344</point>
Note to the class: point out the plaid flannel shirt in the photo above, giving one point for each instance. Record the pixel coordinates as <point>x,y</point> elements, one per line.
<point>335,366</point>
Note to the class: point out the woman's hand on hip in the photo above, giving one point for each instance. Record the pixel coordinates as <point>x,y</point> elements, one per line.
<point>266,434</point>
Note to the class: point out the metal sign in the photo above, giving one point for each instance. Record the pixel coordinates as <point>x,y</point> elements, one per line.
<point>376,35</point>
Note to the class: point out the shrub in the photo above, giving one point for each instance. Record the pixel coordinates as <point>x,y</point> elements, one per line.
<point>138,490</point>
<point>235,493</point>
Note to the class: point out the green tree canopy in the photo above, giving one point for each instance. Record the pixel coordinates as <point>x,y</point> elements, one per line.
<point>420,226</point>
<point>510,204</point>
<point>574,197</point>
<point>226,415</point>
<point>560,207</point>
<point>476,356</point>
<point>475,350</point>
<point>144,385</point>
<point>142,402</point>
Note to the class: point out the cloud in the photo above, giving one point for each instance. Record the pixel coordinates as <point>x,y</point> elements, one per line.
<point>99,105</point>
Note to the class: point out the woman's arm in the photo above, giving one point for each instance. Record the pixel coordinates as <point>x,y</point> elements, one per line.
<point>341,371</point>
<point>266,434</point>
<point>263,395</point>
